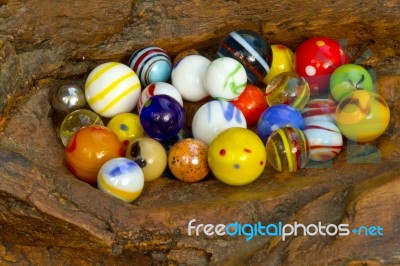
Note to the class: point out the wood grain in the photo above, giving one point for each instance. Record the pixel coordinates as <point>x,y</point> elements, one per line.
<point>48,216</point>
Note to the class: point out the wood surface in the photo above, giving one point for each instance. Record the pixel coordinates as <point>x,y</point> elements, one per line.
<point>48,217</point>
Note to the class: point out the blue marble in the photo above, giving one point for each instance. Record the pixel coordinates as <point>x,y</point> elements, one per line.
<point>162,117</point>
<point>278,116</point>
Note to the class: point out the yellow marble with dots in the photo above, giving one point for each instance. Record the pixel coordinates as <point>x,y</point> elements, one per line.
<point>237,156</point>
<point>127,127</point>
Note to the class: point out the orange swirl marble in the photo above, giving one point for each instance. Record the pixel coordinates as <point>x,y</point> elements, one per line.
<point>88,149</point>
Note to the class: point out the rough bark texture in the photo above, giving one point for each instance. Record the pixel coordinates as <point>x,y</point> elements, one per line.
<point>48,217</point>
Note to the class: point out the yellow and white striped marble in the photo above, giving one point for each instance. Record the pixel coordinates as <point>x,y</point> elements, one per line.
<point>112,88</point>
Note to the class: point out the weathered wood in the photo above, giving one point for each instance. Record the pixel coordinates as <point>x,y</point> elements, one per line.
<point>48,216</point>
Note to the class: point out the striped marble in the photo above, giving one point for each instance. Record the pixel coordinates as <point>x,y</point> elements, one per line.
<point>151,64</point>
<point>251,50</point>
<point>287,149</point>
<point>324,139</point>
<point>112,88</point>
<point>319,110</point>
<point>288,88</point>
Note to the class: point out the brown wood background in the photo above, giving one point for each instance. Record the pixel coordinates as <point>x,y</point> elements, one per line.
<point>47,217</point>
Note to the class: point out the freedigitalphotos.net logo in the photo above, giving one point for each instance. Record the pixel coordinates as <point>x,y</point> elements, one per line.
<point>249,231</point>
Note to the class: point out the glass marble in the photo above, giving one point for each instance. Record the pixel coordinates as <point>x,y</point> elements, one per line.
<point>288,88</point>
<point>316,59</point>
<point>157,89</point>
<point>150,155</point>
<point>214,117</point>
<point>237,156</point>
<point>162,117</point>
<point>121,178</point>
<point>282,61</point>
<point>188,160</point>
<point>188,77</point>
<point>152,64</point>
<point>75,120</point>
<point>362,116</point>
<point>251,49</point>
<point>319,110</point>
<point>349,78</point>
<point>112,88</point>
<point>127,127</point>
<point>68,98</point>
<point>252,103</point>
<point>225,79</point>
<point>278,116</point>
<point>287,149</point>
<point>324,139</point>
<point>88,149</point>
